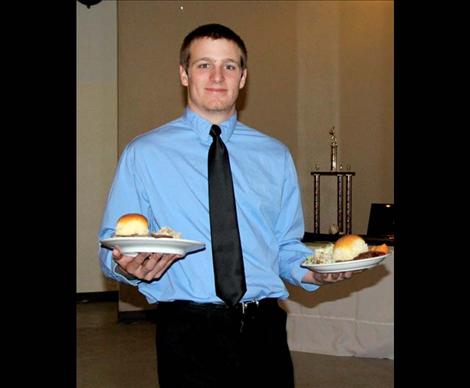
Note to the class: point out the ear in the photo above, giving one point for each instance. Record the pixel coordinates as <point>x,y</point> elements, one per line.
<point>243,79</point>
<point>183,76</point>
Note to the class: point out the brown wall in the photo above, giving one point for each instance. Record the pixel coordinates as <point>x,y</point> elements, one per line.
<point>150,34</point>
<point>366,102</point>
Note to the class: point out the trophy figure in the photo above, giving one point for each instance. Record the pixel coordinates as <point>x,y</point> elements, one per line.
<point>334,149</point>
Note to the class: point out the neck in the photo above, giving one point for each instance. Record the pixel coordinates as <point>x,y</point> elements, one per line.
<point>215,117</point>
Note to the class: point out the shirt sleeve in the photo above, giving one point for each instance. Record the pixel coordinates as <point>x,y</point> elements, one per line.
<point>126,195</point>
<point>290,230</point>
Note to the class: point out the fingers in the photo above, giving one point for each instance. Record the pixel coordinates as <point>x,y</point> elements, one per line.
<point>146,266</point>
<point>332,277</point>
<point>157,264</point>
<point>138,265</point>
<point>318,277</point>
<point>116,253</point>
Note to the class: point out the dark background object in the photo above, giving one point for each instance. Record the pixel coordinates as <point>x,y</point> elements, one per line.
<point>381,220</point>
<point>313,237</point>
<point>380,230</point>
<point>89,3</point>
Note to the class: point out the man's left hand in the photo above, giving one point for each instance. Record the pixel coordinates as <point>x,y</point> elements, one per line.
<point>326,278</point>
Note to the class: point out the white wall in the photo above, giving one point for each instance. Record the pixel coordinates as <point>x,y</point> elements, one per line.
<point>96,133</point>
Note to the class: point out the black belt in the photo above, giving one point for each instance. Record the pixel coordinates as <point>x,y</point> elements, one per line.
<point>246,307</point>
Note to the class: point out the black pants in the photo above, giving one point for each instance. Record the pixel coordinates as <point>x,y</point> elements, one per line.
<point>212,346</point>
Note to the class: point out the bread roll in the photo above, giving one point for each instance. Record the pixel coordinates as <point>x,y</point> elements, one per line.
<point>348,247</point>
<point>132,224</point>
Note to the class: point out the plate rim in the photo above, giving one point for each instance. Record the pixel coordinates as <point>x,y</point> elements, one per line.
<point>179,245</point>
<point>149,238</point>
<point>368,262</point>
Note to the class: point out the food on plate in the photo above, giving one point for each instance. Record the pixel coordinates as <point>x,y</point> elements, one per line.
<point>346,248</point>
<point>374,251</point>
<point>349,247</point>
<point>368,255</point>
<point>384,249</point>
<point>132,224</point>
<point>322,252</point>
<point>137,225</point>
<point>166,232</point>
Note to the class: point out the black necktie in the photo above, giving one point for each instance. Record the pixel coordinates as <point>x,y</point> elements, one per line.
<point>229,273</point>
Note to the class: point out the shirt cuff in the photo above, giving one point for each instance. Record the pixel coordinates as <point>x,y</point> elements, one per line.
<point>298,273</point>
<point>123,279</point>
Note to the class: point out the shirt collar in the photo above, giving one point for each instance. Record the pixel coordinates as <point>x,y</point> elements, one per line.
<point>202,126</point>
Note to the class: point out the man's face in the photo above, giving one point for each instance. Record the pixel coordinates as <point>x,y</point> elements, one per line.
<point>214,78</point>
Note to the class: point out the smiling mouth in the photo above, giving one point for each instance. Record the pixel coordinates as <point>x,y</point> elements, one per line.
<point>215,90</point>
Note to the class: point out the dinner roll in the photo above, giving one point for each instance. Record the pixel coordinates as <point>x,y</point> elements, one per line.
<point>132,224</point>
<point>348,247</point>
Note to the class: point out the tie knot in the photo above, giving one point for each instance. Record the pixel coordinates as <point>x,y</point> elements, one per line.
<point>215,131</point>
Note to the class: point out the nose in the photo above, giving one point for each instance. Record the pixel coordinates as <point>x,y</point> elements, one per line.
<point>217,74</point>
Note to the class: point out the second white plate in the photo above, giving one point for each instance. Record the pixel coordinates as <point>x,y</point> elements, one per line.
<point>343,266</point>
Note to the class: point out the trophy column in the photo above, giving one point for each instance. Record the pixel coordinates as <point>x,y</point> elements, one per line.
<point>344,198</point>
<point>348,203</point>
<point>340,204</point>
<point>316,202</point>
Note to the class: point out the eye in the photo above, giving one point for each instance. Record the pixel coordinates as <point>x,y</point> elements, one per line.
<point>231,67</point>
<point>203,66</point>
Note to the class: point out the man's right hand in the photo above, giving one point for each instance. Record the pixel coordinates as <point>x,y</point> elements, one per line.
<point>144,266</point>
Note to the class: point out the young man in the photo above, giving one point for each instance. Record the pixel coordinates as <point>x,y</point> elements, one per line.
<point>163,174</point>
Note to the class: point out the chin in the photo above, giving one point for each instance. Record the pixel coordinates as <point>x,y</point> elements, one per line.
<point>218,105</point>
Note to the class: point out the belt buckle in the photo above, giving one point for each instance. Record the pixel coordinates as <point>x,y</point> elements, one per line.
<point>245,308</point>
<point>245,305</point>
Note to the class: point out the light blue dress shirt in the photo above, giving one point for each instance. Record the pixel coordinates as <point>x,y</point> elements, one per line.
<point>162,174</point>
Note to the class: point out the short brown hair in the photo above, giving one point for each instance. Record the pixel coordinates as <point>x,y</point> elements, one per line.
<point>213,31</point>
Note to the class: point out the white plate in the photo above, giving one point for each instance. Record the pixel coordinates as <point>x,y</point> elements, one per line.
<point>343,266</point>
<point>133,245</point>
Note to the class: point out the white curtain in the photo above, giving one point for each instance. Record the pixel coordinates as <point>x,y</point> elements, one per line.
<point>350,318</point>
